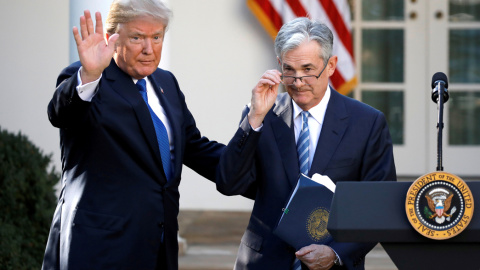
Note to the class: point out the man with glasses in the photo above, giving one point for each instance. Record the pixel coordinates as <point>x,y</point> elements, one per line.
<point>310,129</point>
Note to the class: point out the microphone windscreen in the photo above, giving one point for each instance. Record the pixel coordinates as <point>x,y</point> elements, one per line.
<point>439,76</point>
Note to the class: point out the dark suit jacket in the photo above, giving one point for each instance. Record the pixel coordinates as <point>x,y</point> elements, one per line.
<point>116,204</point>
<point>354,145</point>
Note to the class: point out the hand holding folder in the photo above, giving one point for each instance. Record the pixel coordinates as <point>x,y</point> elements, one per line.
<point>305,217</point>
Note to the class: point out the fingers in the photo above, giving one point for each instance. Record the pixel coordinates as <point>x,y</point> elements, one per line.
<point>89,22</point>
<point>98,23</point>
<point>304,251</point>
<point>86,25</point>
<point>83,27</point>
<point>76,36</point>
<point>271,78</point>
<point>316,256</point>
<point>112,40</point>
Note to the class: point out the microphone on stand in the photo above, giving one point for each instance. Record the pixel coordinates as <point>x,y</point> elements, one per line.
<point>439,96</point>
<point>439,84</point>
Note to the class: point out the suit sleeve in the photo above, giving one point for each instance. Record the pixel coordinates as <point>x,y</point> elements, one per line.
<point>66,108</point>
<point>378,165</point>
<point>236,173</point>
<point>201,154</point>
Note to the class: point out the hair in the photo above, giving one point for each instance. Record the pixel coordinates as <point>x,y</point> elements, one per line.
<point>123,11</point>
<point>301,30</point>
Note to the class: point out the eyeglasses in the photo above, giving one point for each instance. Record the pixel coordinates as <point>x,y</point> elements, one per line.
<point>307,80</point>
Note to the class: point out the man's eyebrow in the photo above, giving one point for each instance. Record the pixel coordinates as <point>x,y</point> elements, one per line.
<point>137,33</point>
<point>303,66</point>
<point>308,65</point>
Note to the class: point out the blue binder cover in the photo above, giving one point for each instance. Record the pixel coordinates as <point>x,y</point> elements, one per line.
<point>305,217</point>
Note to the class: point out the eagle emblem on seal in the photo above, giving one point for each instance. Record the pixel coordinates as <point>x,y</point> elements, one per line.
<point>439,202</point>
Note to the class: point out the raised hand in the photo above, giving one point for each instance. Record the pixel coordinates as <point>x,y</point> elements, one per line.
<point>263,97</point>
<point>94,52</point>
<point>317,257</point>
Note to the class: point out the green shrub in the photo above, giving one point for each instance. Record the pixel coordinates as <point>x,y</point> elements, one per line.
<point>27,202</point>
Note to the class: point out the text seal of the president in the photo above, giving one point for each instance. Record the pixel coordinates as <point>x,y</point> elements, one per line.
<point>439,205</point>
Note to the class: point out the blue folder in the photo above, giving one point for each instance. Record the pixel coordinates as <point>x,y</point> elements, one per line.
<point>305,217</point>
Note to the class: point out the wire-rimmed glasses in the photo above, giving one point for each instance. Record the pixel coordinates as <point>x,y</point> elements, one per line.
<point>307,80</point>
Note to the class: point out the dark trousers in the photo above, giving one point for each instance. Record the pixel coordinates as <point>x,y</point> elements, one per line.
<point>161,258</point>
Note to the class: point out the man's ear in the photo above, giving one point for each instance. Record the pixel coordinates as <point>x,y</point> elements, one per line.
<point>332,65</point>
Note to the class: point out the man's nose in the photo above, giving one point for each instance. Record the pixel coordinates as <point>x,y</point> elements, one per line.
<point>147,46</point>
<point>298,82</point>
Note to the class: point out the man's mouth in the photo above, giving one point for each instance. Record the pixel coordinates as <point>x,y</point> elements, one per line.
<point>300,89</point>
<point>146,62</point>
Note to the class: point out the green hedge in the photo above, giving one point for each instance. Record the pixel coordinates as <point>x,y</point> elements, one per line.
<point>27,202</point>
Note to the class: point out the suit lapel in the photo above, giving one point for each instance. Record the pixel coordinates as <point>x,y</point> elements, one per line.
<point>334,126</point>
<point>283,130</point>
<point>123,84</point>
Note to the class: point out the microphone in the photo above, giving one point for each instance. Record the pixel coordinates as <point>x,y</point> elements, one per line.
<point>439,82</point>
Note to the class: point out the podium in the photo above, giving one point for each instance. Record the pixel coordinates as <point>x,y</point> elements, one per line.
<point>375,212</point>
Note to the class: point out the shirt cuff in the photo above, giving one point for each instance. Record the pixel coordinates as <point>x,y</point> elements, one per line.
<point>86,91</point>
<point>338,257</point>
<point>257,129</point>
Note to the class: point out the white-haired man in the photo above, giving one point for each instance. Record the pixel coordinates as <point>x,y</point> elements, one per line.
<point>125,132</point>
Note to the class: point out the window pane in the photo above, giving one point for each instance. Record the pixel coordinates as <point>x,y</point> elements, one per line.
<point>391,104</point>
<point>381,10</point>
<point>382,55</point>
<point>464,11</point>
<point>464,56</point>
<point>464,120</point>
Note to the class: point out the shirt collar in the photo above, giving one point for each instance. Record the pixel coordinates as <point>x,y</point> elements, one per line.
<point>318,111</point>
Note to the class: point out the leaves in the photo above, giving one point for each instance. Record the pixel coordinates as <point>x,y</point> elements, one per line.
<point>27,201</point>
<point>427,212</point>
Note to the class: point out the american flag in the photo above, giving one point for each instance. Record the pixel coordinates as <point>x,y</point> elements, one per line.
<point>272,14</point>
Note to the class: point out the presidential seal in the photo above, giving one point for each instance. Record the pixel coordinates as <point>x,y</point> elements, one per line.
<point>439,205</point>
<point>317,224</point>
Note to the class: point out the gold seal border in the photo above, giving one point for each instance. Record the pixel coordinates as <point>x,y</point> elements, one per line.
<point>325,233</point>
<point>429,178</point>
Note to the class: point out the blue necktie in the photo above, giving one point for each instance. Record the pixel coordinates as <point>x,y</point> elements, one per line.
<point>303,144</point>
<point>297,265</point>
<point>160,130</point>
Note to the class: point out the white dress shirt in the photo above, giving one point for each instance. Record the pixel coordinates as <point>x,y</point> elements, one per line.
<point>315,123</point>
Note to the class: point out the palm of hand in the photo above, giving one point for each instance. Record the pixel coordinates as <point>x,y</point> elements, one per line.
<point>94,52</point>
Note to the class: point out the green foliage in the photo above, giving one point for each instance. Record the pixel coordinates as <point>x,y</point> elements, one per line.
<point>27,202</point>
<point>427,212</point>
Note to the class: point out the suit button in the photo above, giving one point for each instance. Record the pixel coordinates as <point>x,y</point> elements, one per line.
<point>160,224</point>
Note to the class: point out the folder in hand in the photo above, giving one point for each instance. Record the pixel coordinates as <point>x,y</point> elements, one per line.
<point>305,217</point>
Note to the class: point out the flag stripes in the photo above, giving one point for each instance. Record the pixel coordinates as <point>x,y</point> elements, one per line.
<point>272,14</point>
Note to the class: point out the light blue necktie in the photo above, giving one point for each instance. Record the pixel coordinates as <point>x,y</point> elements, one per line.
<point>297,265</point>
<point>303,144</point>
<point>160,130</point>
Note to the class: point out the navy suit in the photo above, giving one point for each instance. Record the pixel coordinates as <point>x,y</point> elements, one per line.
<point>354,145</point>
<point>116,209</point>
